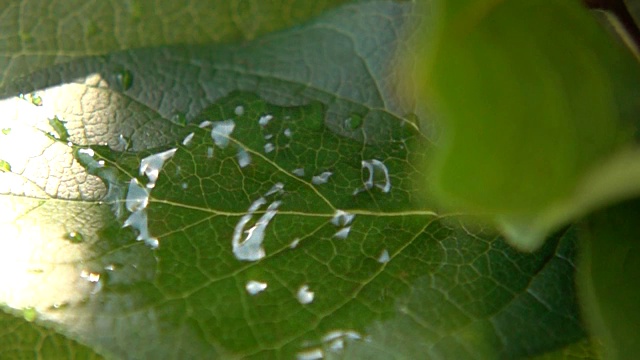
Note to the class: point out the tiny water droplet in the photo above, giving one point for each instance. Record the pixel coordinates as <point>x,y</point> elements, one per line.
<point>384,257</point>
<point>221,131</point>
<point>298,172</point>
<point>264,120</point>
<point>342,233</point>
<point>239,110</point>
<point>74,237</point>
<point>255,287</point>
<point>304,295</point>
<point>29,314</point>
<point>353,122</point>
<point>322,178</point>
<point>275,189</point>
<point>205,124</point>
<point>287,132</point>
<point>268,137</point>
<point>244,159</point>
<point>268,147</point>
<point>294,243</point>
<point>125,79</point>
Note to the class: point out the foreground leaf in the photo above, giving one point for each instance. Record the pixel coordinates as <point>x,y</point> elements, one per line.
<point>534,137</point>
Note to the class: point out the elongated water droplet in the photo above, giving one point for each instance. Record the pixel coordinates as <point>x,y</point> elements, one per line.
<point>221,131</point>
<point>322,178</point>
<point>342,218</point>
<point>294,243</point>
<point>137,196</point>
<point>209,152</point>
<point>275,189</point>
<point>264,120</point>
<point>187,140</point>
<point>268,147</point>
<point>298,172</point>
<point>378,176</point>
<point>254,287</point>
<point>74,237</point>
<point>304,295</point>
<point>310,354</point>
<point>244,159</point>
<point>125,79</point>
<point>151,165</point>
<point>342,233</point>
<point>205,124</point>
<point>250,249</point>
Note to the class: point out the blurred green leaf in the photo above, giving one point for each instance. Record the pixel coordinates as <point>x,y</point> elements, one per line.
<point>539,106</point>
<point>608,279</point>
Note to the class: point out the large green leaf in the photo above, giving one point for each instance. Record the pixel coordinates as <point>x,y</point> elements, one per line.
<point>540,107</point>
<point>397,280</point>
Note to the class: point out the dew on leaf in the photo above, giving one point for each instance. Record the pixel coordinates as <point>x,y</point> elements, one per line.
<point>275,189</point>
<point>304,295</point>
<point>29,314</point>
<point>239,110</point>
<point>310,354</point>
<point>342,218</point>
<point>187,139</point>
<point>74,237</point>
<point>125,79</point>
<point>298,172</point>
<point>244,159</point>
<point>5,166</point>
<point>254,287</point>
<point>221,131</point>
<point>60,128</point>
<point>342,233</point>
<point>137,196</point>
<point>151,165</point>
<point>384,257</point>
<point>353,122</point>
<point>268,147</point>
<point>287,132</point>
<point>264,120</point>
<point>322,178</point>
<point>209,152</point>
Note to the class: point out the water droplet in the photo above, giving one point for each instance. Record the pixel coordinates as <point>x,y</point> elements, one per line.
<point>90,276</point>
<point>384,257</point>
<point>342,218</point>
<point>264,120</point>
<point>254,287</point>
<point>378,176</point>
<point>304,295</point>
<point>239,110</point>
<point>138,221</point>
<point>110,267</point>
<point>353,122</point>
<point>29,314</point>
<point>187,139</point>
<point>205,124</point>
<point>294,243</point>
<point>137,196</point>
<point>298,172</point>
<point>322,178</point>
<point>250,248</point>
<point>125,79</point>
<point>268,136</point>
<point>60,128</point>
<point>209,152</point>
<point>244,159</point>
<point>287,132</point>
<point>74,237</point>
<point>268,147</point>
<point>275,189</point>
<point>311,354</point>
<point>221,131</point>
<point>151,165</point>
<point>342,233</point>
<point>5,166</point>
<point>184,186</point>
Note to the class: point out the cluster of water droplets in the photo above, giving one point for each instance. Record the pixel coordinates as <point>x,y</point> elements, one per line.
<point>332,342</point>
<point>342,220</point>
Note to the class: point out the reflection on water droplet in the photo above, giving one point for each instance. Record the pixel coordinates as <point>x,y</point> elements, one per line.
<point>287,132</point>
<point>322,178</point>
<point>255,287</point>
<point>137,196</point>
<point>250,249</point>
<point>311,354</point>
<point>151,165</point>
<point>90,276</point>
<point>304,295</point>
<point>342,218</point>
<point>275,189</point>
<point>204,124</point>
<point>187,139</point>
<point>264,120</point>
<point>209,152</point>
<point>294,243</point>
<point>268,147</point>
<point>353,122</point>
<point>384,257</point>
<point>74,237</point>
<point>378,176</point>
<point>221,131</point>
<point>29,314</point>
<point>342,233</point>
<point>239,110</point>
<point>244,159</point>
<point>125,79</point>
<point>298,172</point>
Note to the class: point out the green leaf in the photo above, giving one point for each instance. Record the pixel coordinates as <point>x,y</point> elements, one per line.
<point>582,350</point>
<point>396,265</point>
<point>40,34</point>
<point>609,273</point>
<point>538,104</point>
